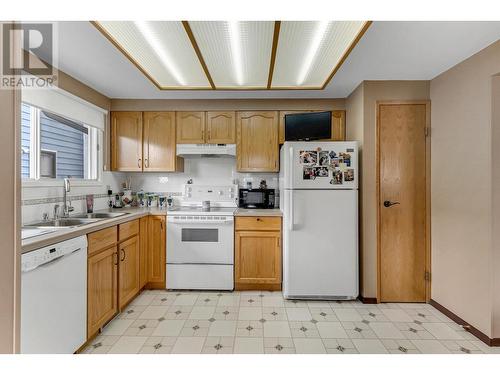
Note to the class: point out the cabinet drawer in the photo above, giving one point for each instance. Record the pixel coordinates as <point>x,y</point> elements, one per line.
<point>101,239</point>
<point>258,223</point>
<point>128,229</point>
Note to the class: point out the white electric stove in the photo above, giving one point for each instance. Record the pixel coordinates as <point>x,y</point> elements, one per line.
<point>200,242</point>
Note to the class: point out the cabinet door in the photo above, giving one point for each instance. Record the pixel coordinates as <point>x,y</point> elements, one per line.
<point>128,284</point>
<point>143,251</point>
<point>338,125</point>
<point>159,142</point>
<point>156,251</point>
<point>102,289</point>
<point>190,127</point>
<point>257,142</point>
<point>221,127</point>
<point>126,141</point>
<point>257,260</point>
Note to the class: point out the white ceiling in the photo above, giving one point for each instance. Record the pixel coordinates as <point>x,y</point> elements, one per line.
<point>387,51</point>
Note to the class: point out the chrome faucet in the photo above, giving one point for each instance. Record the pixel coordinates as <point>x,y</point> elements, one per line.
<point>66,208</point>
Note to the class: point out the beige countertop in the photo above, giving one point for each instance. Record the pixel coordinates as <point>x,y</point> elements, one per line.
<point>133,213</point>
<point>258,212</point>
<point>63,234</point>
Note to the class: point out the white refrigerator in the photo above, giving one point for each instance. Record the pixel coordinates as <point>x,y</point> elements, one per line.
<point>319,198</point>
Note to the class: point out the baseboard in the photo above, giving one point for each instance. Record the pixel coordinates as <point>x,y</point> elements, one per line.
<point>368,300</point>
<point>257,286</point>
<point>468,327</point>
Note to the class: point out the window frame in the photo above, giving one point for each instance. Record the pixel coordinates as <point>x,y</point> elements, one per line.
<point>93,163</point>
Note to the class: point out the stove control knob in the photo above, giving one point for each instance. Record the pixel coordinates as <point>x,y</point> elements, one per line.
<point>221,192</point>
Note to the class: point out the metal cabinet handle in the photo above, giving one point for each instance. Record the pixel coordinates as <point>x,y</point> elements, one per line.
<point>116,261</point>
<point>146,163</point>
<point>123,252</point>
<point>389,203</point>
<point>139,162</point>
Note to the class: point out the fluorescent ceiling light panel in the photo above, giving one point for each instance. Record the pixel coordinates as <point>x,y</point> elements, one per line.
<point>237,53</point>
<point>161,49</point>
<point>309,51</point>
<point>234,36</point>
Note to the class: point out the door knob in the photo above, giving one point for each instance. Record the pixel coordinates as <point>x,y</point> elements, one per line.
<point>389,203</point>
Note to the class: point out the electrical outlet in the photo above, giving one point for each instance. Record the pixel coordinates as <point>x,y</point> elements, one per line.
<point>163,179</point>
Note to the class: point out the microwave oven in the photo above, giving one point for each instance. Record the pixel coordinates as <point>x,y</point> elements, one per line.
<point>256,198</point>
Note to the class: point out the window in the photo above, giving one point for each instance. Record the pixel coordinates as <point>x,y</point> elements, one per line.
<point>55,147</point>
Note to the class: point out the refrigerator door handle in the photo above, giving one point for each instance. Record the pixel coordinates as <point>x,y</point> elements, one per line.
<point>291,211</point>
<point>291,166</point>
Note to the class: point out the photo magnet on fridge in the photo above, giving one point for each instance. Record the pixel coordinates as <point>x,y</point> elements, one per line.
<point>336,178</point>
<point>308,157</point>
<point>308,173</point>
<point>347,158</point>
<point>333,154</point>
<point>334,162</point>
<point>349,175</point>
<point>321,171</point>
<point>323,158</point>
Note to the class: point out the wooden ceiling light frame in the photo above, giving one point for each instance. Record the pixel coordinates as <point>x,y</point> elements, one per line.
<point>194,43</point>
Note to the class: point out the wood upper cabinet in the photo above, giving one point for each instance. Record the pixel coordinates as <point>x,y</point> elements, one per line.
<point>338,124</point>
<point>102,289</point>
<point>257,263</point>
<point>159,143</point>
<point>156,251</point>
<point>129,283</point>
<point>143,251</point>
<point>126,141</point>
<point>221,127</point>
<point>257,148</point>
<point>190,127</point>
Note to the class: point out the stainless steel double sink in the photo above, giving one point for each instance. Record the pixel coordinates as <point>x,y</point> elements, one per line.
<point>76,221</point>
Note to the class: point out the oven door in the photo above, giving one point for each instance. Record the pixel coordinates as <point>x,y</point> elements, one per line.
<point>200,240</point>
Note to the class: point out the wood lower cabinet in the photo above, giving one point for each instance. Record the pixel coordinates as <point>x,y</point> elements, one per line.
<point>221,127</point>
<point>190,127</point>
<point>338,124</point>
<point>143,251</point>
<point>156,252</point>
<point>257,148</point>
<point>128,279</point>
<point>126,141</point>
<point>102,289</point>
<point>257,263</point>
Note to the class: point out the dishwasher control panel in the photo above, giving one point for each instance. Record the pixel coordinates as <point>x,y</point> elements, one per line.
<point>38,257</point>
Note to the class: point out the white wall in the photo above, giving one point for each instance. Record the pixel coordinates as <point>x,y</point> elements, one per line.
<point>203,171</point>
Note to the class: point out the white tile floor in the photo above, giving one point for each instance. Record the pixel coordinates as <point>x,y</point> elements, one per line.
<point>263,322</point>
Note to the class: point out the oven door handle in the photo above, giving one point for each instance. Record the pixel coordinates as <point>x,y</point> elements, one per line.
<point>202,222</point>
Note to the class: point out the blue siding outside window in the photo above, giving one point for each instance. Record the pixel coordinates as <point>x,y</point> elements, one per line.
<point>68,143</point>
<point>25,141</point>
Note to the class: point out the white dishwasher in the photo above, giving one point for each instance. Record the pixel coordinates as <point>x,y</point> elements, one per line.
<point>54,298</point>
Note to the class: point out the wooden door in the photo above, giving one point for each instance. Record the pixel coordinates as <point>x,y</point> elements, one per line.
<point>257,258</point>
<point>102,289</point>
<point>159,142</point>
<point>126,141</point>
<point>156,251</point>
<point>221,127</point>
<point>190,127</point>
<point>143,251</point>
<point>402,201</point>
<point>257,148</point>
<point>129,272</point>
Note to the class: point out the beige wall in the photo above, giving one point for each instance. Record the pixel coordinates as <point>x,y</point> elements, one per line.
<point>361,126</point>
<point>9,220</point>
<point>495,264</point>
<point>463,160</point>
<point>219,104</point>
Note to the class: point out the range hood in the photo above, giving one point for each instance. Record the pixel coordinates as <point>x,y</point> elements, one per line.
<point>206,150</point>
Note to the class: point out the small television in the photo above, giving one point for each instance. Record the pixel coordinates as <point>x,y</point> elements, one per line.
<point>308,126</point>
